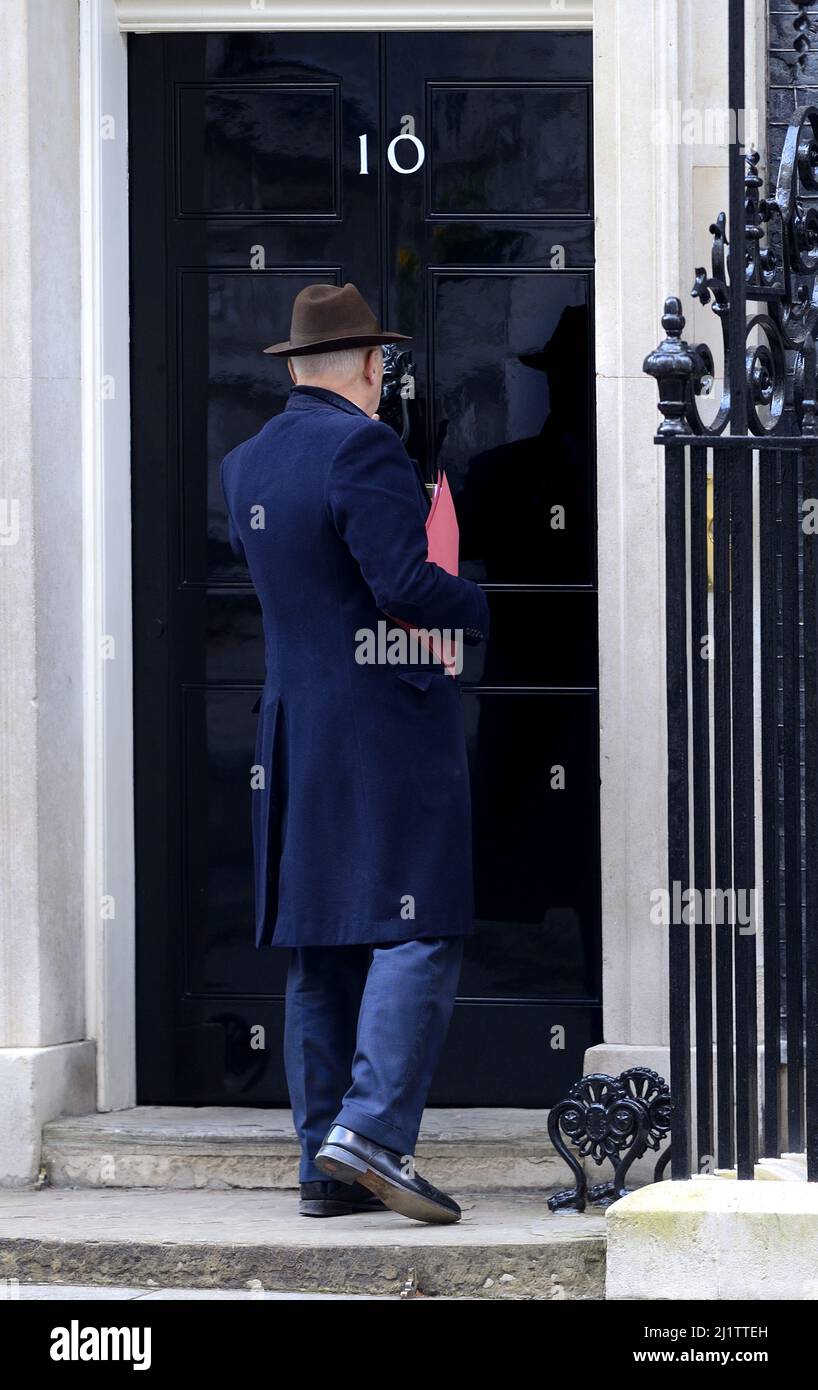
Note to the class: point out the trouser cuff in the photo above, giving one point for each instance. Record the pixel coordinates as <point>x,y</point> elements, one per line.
<point>379,1131</point>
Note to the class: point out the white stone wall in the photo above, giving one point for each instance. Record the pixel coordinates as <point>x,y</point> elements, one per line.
<point>655,200</point>
<point>45,1064</point>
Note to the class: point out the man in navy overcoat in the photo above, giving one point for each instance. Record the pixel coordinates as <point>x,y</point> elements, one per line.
<point>361,817</point>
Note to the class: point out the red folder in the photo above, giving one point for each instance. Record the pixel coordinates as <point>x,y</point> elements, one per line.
<point>442,530</point>
<point>443,549</point>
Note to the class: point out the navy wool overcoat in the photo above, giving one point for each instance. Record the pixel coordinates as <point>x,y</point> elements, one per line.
<point>360,810</point>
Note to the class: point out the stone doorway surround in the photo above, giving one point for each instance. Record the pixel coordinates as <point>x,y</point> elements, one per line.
<point>67,1036</point>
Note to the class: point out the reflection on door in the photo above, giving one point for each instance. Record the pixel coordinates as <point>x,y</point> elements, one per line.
<point>449,177</point>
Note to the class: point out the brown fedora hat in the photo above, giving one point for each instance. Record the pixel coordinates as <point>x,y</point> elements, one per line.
<point>327,318</point>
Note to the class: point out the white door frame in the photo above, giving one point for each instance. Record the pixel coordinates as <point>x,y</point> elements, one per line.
<point>639,186</point>
<point>193,16</point>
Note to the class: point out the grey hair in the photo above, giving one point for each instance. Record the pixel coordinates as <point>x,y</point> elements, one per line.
<point>343,363</point>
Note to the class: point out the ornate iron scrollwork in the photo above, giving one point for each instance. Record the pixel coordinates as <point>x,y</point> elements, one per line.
<point>804,28</point>
<point>781,272</point>
<point>609,1117</point>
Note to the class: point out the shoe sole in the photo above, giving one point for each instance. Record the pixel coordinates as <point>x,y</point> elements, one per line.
<point>348,1167</point>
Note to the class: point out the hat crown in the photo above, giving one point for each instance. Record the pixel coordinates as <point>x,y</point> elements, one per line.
<point>321,310</point>
<point>326,318</point>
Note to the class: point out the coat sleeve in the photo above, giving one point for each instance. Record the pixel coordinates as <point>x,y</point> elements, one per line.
<point>236,544</point>
<point>373,499</point>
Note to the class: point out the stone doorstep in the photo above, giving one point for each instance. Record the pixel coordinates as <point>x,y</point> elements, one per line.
<point>507,1247</point>
<point>714,1237</point>
<point>229,1148</point>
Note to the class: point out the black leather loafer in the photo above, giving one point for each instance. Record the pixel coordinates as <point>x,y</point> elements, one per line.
<point>325,1197</point>
<point>352,1158</point>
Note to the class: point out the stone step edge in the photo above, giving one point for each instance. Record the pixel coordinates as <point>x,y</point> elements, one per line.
<point>65,1138</point>
<point>82,1156</point>
<point>559,1268</point>
<point>63,1131</point>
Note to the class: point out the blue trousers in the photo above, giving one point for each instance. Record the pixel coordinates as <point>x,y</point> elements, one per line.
<point>363,1030</point>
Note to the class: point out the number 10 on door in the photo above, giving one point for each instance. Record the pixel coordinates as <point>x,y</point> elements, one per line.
<point>406,147</point>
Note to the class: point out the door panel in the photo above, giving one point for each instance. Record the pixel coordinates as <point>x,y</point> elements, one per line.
<point>535,874</point>
<point>487,144</point>
<point>271,149</point>
<point>249,180</point>
<point>513,422</point>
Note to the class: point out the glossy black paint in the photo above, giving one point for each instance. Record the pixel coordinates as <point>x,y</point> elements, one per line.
<point>246,186</point>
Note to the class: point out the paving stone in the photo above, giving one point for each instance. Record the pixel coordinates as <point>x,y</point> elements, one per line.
<point>507,1245</point>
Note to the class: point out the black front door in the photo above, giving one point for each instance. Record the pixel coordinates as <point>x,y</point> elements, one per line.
<point>449,177</point>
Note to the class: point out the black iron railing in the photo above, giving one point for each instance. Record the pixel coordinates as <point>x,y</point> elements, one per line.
<point>742,653</point>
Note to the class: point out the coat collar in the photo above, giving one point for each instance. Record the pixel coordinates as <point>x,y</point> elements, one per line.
<point>305,397</point>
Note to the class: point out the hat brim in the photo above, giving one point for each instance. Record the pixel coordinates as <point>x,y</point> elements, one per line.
<point>344,340</point>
